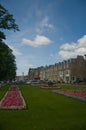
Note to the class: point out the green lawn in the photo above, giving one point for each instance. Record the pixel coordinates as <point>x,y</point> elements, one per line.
<point>45,111</point>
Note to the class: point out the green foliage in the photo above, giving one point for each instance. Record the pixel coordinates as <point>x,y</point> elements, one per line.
<point>6,22</point>
<point>2,36</point>
<point>7,59</point>
<point>7,63</point>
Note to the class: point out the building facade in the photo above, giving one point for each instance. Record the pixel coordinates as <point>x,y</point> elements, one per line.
<point>67,71</point>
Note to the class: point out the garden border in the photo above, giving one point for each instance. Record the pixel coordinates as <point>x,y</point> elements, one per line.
<point>13,107</point>
<point>70,96</point>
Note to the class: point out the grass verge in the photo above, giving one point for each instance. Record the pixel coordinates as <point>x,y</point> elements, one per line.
<point>45,111</point>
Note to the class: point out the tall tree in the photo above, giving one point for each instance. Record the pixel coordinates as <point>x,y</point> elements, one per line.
<point>6,22</point>
<point>7,59</point>
<point>7,63</point>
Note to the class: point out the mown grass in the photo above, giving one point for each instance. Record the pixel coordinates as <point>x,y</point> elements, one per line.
<point>74,86</point>
<point>45,111</point>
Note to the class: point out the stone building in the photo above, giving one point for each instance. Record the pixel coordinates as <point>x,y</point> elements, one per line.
<point>78,68</point>
<point>67,71</point>
<point>22,78</point>
<point>34,73</point>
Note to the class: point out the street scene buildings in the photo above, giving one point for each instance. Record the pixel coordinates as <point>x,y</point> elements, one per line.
<point>68,71</point>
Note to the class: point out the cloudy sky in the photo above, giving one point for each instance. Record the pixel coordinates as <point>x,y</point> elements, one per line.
<point>50,31</point>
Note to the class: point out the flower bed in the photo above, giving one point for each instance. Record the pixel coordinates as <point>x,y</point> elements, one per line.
<point>13,99</point>
<point>77,94</point>
<point>47,87</point>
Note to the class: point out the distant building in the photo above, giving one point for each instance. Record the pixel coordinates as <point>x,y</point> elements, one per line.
<point>22,78</point>
<point>67,71</point>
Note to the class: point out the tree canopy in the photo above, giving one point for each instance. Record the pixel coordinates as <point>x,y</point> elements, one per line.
<point>6,22</point>
<point>7,63</point>
<point>7,59</point>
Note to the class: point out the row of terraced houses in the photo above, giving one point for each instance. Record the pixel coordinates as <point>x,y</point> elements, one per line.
<point>67,71</point>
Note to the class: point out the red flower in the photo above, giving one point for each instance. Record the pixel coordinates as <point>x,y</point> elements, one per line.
<point>13,98</point>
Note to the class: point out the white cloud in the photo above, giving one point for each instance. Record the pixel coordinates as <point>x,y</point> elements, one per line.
<point>66,54</point>
<point>68,46</point>
<point>82,42</point>
<point>81,50</point>
<point>43,25</point>
<point>38,41</point>
<point>15,50</point>
<point>68,50</point>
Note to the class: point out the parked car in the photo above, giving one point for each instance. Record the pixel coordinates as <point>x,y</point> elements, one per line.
<point>35,82</point>
<point>2,83</point>
<point>20,82</point>
<point>32,82</point>
<point>29,82</point>
<point>78,82</point>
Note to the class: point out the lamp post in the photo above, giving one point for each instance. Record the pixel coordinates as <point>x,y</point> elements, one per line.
<point>23,76</point>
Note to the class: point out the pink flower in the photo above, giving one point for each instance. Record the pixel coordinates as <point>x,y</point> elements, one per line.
<point>13,98</point>
<point>73,93</point>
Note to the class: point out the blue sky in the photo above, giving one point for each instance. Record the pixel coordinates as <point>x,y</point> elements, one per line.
<point>50,31</point>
